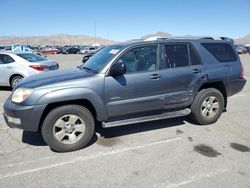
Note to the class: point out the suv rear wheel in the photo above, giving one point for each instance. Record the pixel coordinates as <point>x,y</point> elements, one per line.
<point>68,128</point>
<point>207,106</point>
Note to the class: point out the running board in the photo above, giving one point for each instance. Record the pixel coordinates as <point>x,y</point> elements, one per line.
<point>166,115</point>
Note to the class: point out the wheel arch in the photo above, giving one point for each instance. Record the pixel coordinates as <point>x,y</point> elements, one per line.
<point>13,75</point>
<point>82,102</point>
<point>219,86</point>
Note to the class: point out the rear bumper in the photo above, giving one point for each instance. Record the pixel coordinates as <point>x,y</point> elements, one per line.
<point>23,117</point>
<point>235,86</point>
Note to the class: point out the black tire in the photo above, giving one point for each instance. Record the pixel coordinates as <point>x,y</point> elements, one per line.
<point>48,127</point>
<point>198,110</point>
<point>15,80</point>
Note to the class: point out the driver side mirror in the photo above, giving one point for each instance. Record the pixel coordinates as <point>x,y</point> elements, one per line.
<point>117,69</point>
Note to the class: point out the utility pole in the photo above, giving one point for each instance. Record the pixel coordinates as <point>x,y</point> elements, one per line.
<point>94,31</point>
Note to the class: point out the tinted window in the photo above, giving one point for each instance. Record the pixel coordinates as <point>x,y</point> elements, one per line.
<point>31,57</point>
<point>5,59</point>
<point>176,55</point>
<point>140,59</point>
<point>194,58</point>
<point>221,51</point>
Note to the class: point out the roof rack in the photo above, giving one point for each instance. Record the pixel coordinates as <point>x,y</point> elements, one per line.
<point>154,38</point>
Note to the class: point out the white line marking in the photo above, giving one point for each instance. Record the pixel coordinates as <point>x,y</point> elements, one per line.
<point>194,178</point>
<point>26,162</point>
<point>91,157</point>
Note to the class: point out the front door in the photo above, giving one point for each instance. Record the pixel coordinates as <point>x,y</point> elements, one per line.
<point>140,89</point>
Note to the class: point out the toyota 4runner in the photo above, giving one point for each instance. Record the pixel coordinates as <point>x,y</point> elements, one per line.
<point>128,83</point>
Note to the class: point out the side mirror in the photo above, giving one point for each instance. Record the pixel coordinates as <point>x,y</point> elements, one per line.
<point>85,58</point>
<point>117,69</point>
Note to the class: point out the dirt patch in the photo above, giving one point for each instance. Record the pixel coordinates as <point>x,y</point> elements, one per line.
<point>190,139</point>
<point>206,150</point>
<point>136,173</point>
<point>178,131</point>
<point>240,147</point>
<point>108,142</point>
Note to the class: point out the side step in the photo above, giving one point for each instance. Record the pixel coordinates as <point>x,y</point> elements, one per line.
<point>166,115</point>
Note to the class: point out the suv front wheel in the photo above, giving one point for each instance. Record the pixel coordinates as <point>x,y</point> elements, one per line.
<point>68,128</point>
<point>208,106</point>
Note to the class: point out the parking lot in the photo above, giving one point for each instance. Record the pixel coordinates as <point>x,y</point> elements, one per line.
<point>169,153</point>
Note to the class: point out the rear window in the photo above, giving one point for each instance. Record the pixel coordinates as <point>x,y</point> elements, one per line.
<point>223,52</point>
<point>176,55</point>
<point>32,57</point>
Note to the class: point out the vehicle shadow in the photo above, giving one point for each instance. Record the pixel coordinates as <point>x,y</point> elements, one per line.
<point>5,88</point>
<point>140,127</point>
<point>35,138</point>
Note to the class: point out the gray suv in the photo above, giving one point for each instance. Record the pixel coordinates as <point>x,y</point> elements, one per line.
<point>128,83</point>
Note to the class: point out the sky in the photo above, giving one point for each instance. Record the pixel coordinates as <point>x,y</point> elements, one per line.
<point>121,20</point>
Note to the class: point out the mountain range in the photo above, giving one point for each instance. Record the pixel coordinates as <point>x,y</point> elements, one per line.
<point>59,39</point>
<point>66,39</point>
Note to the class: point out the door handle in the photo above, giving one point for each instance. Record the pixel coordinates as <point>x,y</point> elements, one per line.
<point>196,71</point>
<point>9,67</point>
<point>155,76</point>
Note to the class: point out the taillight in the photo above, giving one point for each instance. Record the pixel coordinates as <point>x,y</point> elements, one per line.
<point>39,67</point>
<point>242,71</point>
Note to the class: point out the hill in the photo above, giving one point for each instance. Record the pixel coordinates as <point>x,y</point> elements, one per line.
<point>243,40</point>
<point>160,34</point>
<point>59,39</point>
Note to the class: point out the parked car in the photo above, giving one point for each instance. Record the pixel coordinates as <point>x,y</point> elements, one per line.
<point>88,50</point>
<point>49,50</point>
<point>240,49</point>
<point>63,49</point>
<point>72,50</point>
<point>248,49</point>
<point>128,83</point>
<point>15,66</point>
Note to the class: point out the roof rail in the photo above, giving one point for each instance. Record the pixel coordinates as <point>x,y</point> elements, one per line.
<point>154,38</point>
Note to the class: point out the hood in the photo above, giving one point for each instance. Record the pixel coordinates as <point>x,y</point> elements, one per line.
<point>52,77</point>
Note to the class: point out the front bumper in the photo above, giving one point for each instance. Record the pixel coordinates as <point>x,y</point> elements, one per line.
<point>23,117</point>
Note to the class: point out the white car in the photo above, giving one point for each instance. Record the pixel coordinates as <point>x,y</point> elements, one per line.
<point>88,50</point>
<point>15,66</point>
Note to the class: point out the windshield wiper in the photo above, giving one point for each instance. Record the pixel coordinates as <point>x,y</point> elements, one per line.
<point>86,68</point>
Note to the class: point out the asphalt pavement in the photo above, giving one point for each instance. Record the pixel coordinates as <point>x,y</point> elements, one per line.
<point>168,154</point>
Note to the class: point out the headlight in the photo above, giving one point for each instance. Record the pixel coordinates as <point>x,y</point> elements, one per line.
<point>21,94</point>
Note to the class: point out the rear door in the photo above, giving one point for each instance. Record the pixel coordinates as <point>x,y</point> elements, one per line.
<point>7,66</point>
<point>140,89</point>
<point>182,67</point>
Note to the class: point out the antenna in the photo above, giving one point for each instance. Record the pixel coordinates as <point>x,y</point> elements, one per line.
<point>95,31</point>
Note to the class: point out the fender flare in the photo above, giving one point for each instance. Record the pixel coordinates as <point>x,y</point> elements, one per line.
<point>70,94</point>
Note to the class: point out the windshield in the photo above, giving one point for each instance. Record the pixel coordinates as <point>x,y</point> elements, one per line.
<point>101,58</point>
<point>32,57</point>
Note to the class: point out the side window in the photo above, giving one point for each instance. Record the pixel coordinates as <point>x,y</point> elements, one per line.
<point>176,55</point>
<point>140,59</point>
<point>5,59</point>
<point>194,58</point>
<point>223,52</point>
